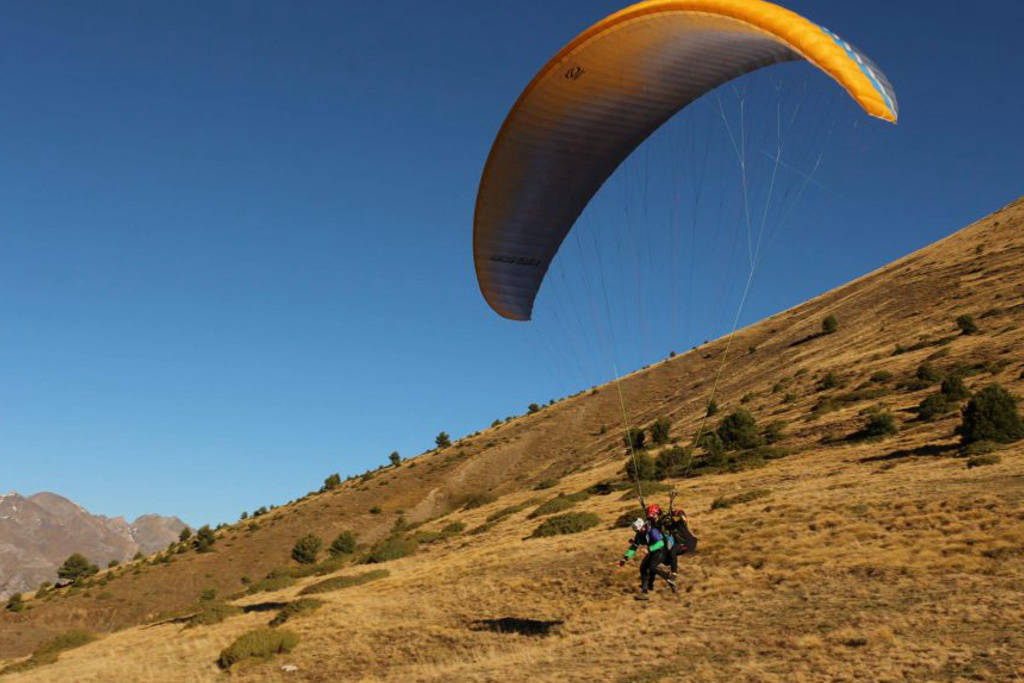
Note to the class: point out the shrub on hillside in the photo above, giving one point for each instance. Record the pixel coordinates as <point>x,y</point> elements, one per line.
<point>331,482</point>
<point>954,389</point>
<point>533,408</point>
<point>881,376</point>
<point>933,407</point>
<point>660,431</point>
<point>306,549</point>
<point>829,325</point>
<point>210,612</point>
<point>982,460</point>
<point>712,408</point>
<point>713,446</point>
<point>15,603</point>
<point>442,440</point>
<point>557,504</point>
<point>879,425</point>
<point>338,582</point>
<point>738,430</point>
<point>204,539</point>
<point>391,548</point>
<point>544,484</point>
<point>469,501</point>
<point>295,608</point>
<point>634,438</point>
<point>76,568</point>
<point>272,582</point>
<point>262,643</point>
<point>510,510</point>
<point>641,467</point>
<point>966,324</point>
<point>991,415</point>
<point>343,544</point>
<point>568,523</point>
<point>395,458</point>
<point>672,462</point>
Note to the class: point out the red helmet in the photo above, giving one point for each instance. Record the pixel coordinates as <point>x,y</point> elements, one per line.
<point>653,511</point>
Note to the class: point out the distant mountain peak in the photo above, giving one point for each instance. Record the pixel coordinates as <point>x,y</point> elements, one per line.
<point>38,532</point>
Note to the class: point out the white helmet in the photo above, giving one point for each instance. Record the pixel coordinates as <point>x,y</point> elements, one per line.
<point>638,525</point>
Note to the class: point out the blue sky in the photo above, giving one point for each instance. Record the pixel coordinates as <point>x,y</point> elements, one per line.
<point>235,247</point>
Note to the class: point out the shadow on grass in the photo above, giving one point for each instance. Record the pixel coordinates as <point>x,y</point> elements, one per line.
<point>264,607</point>
<point>524,627</point>
<point>808,338</point>
<point>932,450</point>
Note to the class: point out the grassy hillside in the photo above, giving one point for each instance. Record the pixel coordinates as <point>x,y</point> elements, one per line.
<point>850,557</point>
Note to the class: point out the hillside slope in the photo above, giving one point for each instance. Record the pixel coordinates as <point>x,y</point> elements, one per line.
<point>874,559</point>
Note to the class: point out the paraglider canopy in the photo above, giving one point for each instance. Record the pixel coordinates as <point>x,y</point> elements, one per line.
<point>603,94</point>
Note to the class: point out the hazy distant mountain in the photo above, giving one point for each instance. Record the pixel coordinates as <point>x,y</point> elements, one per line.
<point>38,533</point>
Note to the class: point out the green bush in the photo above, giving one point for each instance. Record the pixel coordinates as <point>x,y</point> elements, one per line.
<point>343,544</point>
<point>713,446</point>
<point>332,482</point>
<point>660,431</point>
<point>533,408</point>
<point>557,504</point>
<point>204,539</point>
<point>879,425</point>
<point>739,430</point>
<point>634,438</point>
<point>453,528</point>
<point>712,408</point>
<point>442,440</point>
<point>474,500</point>
<point>981,460</point>
<point>274,582</point>
<point>389,549</point>
<point>262,642</point>
<point>966,324</point>
<point>15,603</point>
<point>306,549</point>
<point>954,389</point>
<point>745,497</point>
<point>338,582</point>
<point>567,523</point>
<point>545,484</point>
<point>76,568</point>
<point>933,407</point>
<point>788,397</point>
<point>210,612</point>
<point>991,415</point>
<point>510,510</point>
<point>395,458</point>
<point>672,462</point>
<point>881,376</point>
<point>295,608</point>
<point>642,467</point>
<point>829,325</point>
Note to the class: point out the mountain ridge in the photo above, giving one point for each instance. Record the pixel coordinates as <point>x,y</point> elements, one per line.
<point>38,532</point>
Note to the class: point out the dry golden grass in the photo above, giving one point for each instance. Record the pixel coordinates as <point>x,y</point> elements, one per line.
<point>886,560</point>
